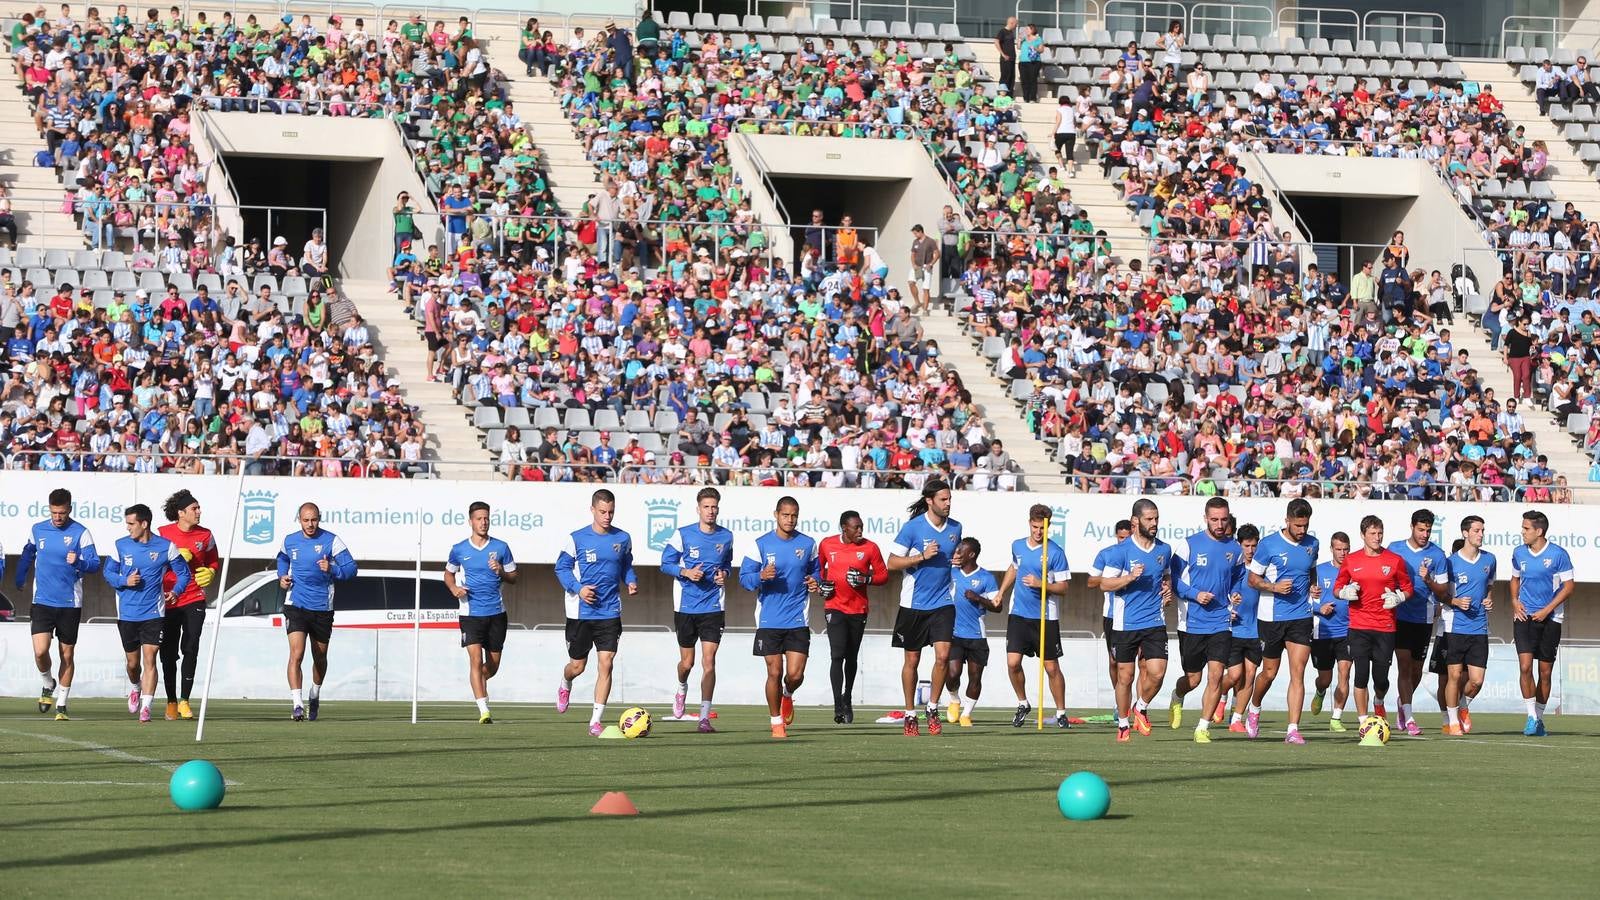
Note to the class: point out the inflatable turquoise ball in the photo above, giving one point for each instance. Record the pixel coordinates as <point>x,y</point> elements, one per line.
<point>197,784</point>
<point>1083,796</point>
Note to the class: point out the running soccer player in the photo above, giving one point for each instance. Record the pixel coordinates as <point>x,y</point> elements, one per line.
<point>180,632</point>
<point>1206,568</point>
<point>850,562</point>
<point>1330,636</point>
<point>1042,565</point>
<point>1285,566</point>
<point>781,569</point>
<point>1430,579</point>
<point>1122,529</point>
<point>473,573</point>
<point>976,594</point>
<point>63,551</point>
<point>1466,624</point>
<point>309,564</point>
<point>1244,645</point>
<point>1541,584</point>
<point>138,573</point>
<point>1373,582</point>
<point>927,614</point>
<point>1139,575</point>
<point>594,568</point>
<point>698,559</point>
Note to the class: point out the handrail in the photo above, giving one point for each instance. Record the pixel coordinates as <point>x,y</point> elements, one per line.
<point>1237,25</point>
<point>1283,198</point>
<point>1404,26</point>
<point>1296,17</point>
<point>764,172</point>
<point>1562,30</point>
<point>1144,11</point>
<point>1090,12</point>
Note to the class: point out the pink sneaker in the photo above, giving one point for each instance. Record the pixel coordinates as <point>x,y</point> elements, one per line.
<point>595,728</point>
<point>1252,725</point>
<point>678,703</point>
<point>144,714</point>
<point>1294,738</point>
<point>705,727</point>
<point>133,701</point>
<point>563,699</point>
<point>1413,729</point>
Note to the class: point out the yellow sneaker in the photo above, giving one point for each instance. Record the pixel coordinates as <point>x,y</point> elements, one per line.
<point>47,699</point>
<point>1202,736</point>
<point>965,721</point>
<point>184,712</point>
<point>952,713</point>
<point>1177,712</point>
<point>61,714</point>
<point>172,711</point>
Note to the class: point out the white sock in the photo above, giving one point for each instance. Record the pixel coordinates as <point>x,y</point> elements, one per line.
<point>566,684</point>
<point>1454,714</point>
<point>1203,725</point>
<point>1530,703</point>
<point>777,720</point>
<point>1293,728</point>
<point>49,682</point>
<point>1139,705</point>
<point>1060,712</point>
<point>136,691</point>
<point>1122,721</point>
<point>1538,709</point>
<point>483,706</point>
<point>683,688</point>
<point>599,710</point>
<point>1252,709</point>
<point>1405,713</point>
<point>933,712</point>
<point>1337,712</point>
<point>1465,701</point>
<point>316,690</point>
<point>787,692</point>
<point>1235,718</point>
<point>144,702</point>
<point>911,714</point>
<point>967,704</point>
<point>295,698</point>
<point>705,709</point>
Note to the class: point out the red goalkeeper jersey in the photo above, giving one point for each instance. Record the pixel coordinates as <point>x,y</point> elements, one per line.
<point>838,558</point>
<point>202,547</point>
<point>1373,575</point>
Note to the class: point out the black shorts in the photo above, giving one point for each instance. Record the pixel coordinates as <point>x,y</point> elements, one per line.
<point>62,621</point>
<point>1375,646</point>
<point>773,641</point>
<point>139,634</point>
<point>1065,144</point>
<point>318,624</point>
<point>703,627</point>
<point>1413,638</point>
<point>584,635</point>
<point>972,650</point>
<point>844,632</point>
<point>1540,639</point>
<point>1275,635</point>
<point>1150,643</point>
<point>1466,650</point>
<point>1022,636</point>
<point>489,631</point>
<point>1196,650</point>
<point>1327,651</point>
<point>1436,663</point>
<point>918,628</point>
<point>1243,648</point>
<point>1109,633</point>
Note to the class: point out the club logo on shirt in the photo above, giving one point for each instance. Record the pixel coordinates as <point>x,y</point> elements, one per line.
<point>1547,562</point>
<point>66,539</point>
<point>152,556</point>
<point>860,556</point>
<point>1385,569</point>
<point>317,549</point>
<point>616,548</point>
<point>799,553</point>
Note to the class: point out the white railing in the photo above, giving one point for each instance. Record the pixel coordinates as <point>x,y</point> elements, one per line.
<point>1149,15</point>
<point>1321,22</point>
<point>1238,20</point>
<point>1062,14</point>
<point>1378,24</point>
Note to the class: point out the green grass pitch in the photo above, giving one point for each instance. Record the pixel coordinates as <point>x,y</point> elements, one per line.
<point>364,804</point>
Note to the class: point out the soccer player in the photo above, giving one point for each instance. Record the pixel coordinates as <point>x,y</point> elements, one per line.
<point>781,569</point>
<point>1541,583</point>
<point>698,559</point>
<point>1244,645</point>
<point>1285,565</point>
<point>473,573</point>
<point>1042,565</point>
<point>927,614</point>
<point>1205,571</point>
<point>1330,636</point>
<point>594,568</point>
<point>976,594</point>
<point>850,562</point>
<point>1122,529</point>
<point>1139,574</point>
<point>180,632</point>
<point>309,564</point>
<point>63,551</point>
<point>1466,624</point>
<point>1430,579</point>
<point>138,572</point>
<point>1373,582</point>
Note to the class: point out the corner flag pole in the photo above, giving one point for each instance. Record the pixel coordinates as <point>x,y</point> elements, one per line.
<point>416,623</point>
<point>222,591</point>
<point>1044,583</point>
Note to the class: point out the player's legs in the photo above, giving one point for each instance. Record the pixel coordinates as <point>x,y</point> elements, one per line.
<point>1408,666</point>
<point>171,636</point>
<point>1019,682</point>
<point>1242,681</point>
<point>941,665</point>
<point>974,684</point>
<point>794,671</point>
<point>1266,673</point>
<point>319,664</point>
<point>297,656</point>
<point>1216,677</point>
<point>1058,683</point>
<point>685,666</point>
<point>908,678</point>
<point>132,664</point>
<point>1472,682</point>
<point>574,668</point>
<point>1152,674</point>
<point>1299,655</point>
<point>147,687</point>
<point>1341,690</point>
<point>774,687</point>
<point>1124,692</point>
<point>1455,679</point>
<point>477,676</point>
<point>193,621</point>
<point>1546,669</point>
<point>708,675</point>
<point>856,631</point>
<point>602,677</point>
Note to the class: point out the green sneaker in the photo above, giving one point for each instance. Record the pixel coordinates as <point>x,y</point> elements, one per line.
<point>1316,704</point>
<point>1202,737</point>
<point>1336,725</point>
<point>1176,712</point>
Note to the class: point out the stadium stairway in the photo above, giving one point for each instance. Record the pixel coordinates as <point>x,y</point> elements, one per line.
<point>1570,178</point>
<point>451,436</point>
<point>572,178</point>
<point>35,191</point>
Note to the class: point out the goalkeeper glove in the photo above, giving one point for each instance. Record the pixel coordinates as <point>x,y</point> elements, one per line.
<point>1350,592</point>
<point>827,589</point>
<point>1393,598</point>
<point>856,578</point>
<point>187,554</point>
<point>203,576</point>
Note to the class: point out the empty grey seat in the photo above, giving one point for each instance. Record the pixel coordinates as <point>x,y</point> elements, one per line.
<point>57,259</point>
<point>1575,133</point>
<point>1102,38</point>
<point>95,278</point>
<point>678,20</point>
<point>851,28</point>
<point>876,28</point>
<point>1436,52</point>
<point>1452,70</point>
<point>1380,68</point>
<point>27,258</point>
<point>667,420</point>
<point>1413,50</point>
<point>1516,56</point>
<point>1200,42</point>
<point>1295,46</point>
<point>1592,134</point>
<point>607,420</point>
<point>576,419</point>
<point>1589,153</point>
<point>1404,68</point>
<point>546,417</point>
<point>1247,43</point>
<point>636,420</point>
<point>518,416</point>
<point>1344,84</point>
<point>1427,69</point>
<point>1320,46</point>
<point>950,31</point>
<point>494,439</point>
<point>1225,81</point>
<point>1053,37</point>
<point>1341,47</point>
<point>1537,55</point>
<point>1368,48</point>
<point>181,281</point>
<point>778,25</point>
<point>124,280</point>
<point>86,259</point>
<point>1541,190</point>
<point>1123,38</point>
<point>650,442</point>
<point>486,417</point>
<point>924,31</point>
<point>705,22</point>
<point>1078,37</point>
<point>211,281</point>
<point>827,27</point>
<point>1270,44</point>
<point>103,297</point>
<point>1353,66</point>
<point>1564,57</point>
<point>295,286</point>
<point>1258,61</point>
<point>152,282</point>
<point>754,23</point>
<point>61,276</point>
<point>1223,42</point>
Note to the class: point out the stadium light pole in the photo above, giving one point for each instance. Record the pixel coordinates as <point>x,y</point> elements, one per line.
<point>222,590</point>
<point>416,623</point>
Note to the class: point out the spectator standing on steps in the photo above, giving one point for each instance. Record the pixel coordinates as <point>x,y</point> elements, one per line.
<point>1029,55</point>
<point>1006,42</point>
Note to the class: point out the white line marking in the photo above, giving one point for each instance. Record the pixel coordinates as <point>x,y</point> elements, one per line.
<point>103,750</point>
<point>1559,745</point>
<point>117,783</point>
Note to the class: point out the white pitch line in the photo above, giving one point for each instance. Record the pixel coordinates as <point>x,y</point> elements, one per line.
<point>116,783</point>
<point>103,750</point>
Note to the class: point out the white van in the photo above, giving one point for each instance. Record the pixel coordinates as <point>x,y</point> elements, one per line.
<point>375,598</point>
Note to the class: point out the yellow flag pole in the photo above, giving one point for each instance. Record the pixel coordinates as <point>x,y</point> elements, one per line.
<point>1044,583</point>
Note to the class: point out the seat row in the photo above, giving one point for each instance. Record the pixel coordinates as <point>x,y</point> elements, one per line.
<point>1390,50</point>
<point>806,26</point>
<point>154,281</point>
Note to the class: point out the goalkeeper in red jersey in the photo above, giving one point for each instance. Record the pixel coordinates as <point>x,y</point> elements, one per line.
<point>180,633</point>
<point>849,564</point>
<point>1374,580</point>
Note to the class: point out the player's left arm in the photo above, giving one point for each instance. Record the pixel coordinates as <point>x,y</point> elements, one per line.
<point>342,566</point>
<point>1562,593</point>
<point>1008,580</point>
<point>629,579</point>
<point>508,564</point>
<point>25,562</point>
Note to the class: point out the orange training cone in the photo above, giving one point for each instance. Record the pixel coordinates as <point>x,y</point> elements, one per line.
<point>614,803</point>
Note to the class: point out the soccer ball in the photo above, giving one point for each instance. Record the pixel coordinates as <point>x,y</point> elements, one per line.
<point>1375,725</point>
<point>635,722</point>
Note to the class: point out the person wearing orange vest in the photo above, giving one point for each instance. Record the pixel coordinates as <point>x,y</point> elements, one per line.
<point>186,615</point>
<point>848,244</point>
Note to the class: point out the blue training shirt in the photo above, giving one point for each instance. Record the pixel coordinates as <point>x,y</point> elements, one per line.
<point>781,600</point>
<point>1098,569</point>
<point>1205,565</point>
<point>688,548</point>
<point>1338,624</point>
<point>1420,606</point>
<point>1542,574</point>
<point>1277,558</point>
<point>969,615</point>
<point>312,588</point>
<point>1137,606</point>
<point>470,564</point>
<point>57,582</point>
<point>1472,579</point>
<point>927,584</point>
<point>1245,621</point>
<point>603,561</point>
<point>152,559</point>
<point>1027,558</point>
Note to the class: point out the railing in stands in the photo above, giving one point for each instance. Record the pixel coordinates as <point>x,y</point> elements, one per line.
<point>1402,26</point>
<point>1238,20</point>
<point>1549,32</point>
<point>1062,14</point>
<point>1140,16</point>
<point>1329,23</point>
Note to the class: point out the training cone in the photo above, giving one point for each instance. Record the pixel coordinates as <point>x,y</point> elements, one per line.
<point>614,803</point>
<point>612,733</point>
<point>1371,740</point>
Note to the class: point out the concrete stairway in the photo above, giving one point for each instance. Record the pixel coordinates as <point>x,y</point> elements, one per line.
<point>35,192</point>
<point>452,438</point>
<point>573,179</point>
<point>1570,180</point>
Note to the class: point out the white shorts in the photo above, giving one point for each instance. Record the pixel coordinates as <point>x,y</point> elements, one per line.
<point>928,280</point>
